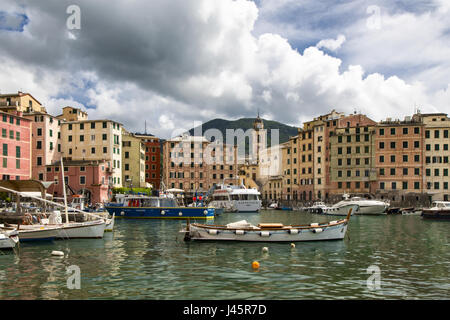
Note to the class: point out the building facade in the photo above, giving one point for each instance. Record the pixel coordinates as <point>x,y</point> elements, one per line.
<point>352,156</point>
<point>15,146</point>
<point>133,160</point>
<point>94,140</point>
<point>152,159</point>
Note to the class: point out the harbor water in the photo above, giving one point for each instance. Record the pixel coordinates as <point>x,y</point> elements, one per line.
<point>148,259</point>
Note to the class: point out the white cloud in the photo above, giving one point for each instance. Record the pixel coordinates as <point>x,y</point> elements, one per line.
<point>215,65</point>
<point>331,44</point>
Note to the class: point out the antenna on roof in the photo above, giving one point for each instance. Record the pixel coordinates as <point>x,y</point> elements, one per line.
<point>145,126</point>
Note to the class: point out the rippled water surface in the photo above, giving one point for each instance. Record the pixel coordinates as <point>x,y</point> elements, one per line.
<point>147,259</point>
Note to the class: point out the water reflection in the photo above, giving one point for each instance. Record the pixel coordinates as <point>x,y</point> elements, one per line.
<point>149,260</point>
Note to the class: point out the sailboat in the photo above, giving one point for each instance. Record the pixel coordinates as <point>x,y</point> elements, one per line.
<point>68,229</point>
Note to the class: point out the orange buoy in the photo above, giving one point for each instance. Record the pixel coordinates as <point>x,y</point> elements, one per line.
<point>255,265</point>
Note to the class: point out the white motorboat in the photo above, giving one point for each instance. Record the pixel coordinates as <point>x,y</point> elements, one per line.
<point>365,206</point>
<point>439,210</point>
<point>8,238</point>
<point>317,207</point>
<point>268,232</point>
<point>236,198</point>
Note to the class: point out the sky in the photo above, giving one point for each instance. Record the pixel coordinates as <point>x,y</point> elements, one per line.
<point>174,63</point>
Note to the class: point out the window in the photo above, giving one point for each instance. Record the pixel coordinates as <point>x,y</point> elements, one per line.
<point>105,149</point>
<point>416,130</point>
<point>381,145</point>
<point>405,158</point>
<point>70,126</point>
<point>394,185</point>
<point>392,131</point>
<point>405,171</point>
<point>381,132</point>
<point>92,125</point>
<point>436,147</point>
<point>51,146</point>
<point>392,144</point>
<point>69,138</point>
<point>416,185</point>
<point>416,171</point>
<point>392,158</point>
<point>416,158</point>
<point>38,144</point>
<point>105,125</point>
<point>405,185</point>
<point>18,136</point>
<point>81,138</point>
<point>92,137</point>
<point>436,134</point>
<point>5,162</point>
<point>392,171</point>
<point>5,149</point>
<point>17,152</point>
<point>405,144</point>
<point>81,126</point>
<point>416,144</point>
<point>427,134</point>
<point>39,161</point>
<point>82,180</point>
<point>381,171</point>
<point>405,130</point>
<point>381,158</point>
<point>92,150</point>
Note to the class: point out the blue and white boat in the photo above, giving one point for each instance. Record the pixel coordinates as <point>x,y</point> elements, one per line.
<point>161,207</point>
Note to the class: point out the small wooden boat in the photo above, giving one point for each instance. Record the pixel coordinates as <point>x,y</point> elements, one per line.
<point>38,232</point>
<point>8,239</point>
<point>439,210</point>
<point>268,232</point>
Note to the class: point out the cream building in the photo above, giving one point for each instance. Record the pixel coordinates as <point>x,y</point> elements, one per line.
<point>20,101</point>
<point>94,140</point>
<point>133,160</point>
<point>436,155</point>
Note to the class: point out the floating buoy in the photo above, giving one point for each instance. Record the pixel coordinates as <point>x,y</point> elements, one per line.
<point>163,212</point>
<point>205,212</point>
<point>255,265</point>
<point>265,249</point>
<point>57,253</point>
<point>180,213</point>
<point>292,245</point>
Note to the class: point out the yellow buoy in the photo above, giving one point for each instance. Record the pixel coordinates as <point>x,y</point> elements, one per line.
<point>255,265</point>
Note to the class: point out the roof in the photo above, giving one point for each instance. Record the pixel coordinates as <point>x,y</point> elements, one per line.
<point>25,185</point>
<point>18,94</point>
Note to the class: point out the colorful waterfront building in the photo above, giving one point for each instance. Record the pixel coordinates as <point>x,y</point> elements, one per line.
<point>46,142</point>
<point>152,159</point>
<point>15,146</point>
<point>399,158</point>
<point>352,156</point>
<point>20,102</point>
<point>133,160</point>
<point>99,140</point>
<point>436,155</point>
<point>87,177</point>
<point>194,164</point>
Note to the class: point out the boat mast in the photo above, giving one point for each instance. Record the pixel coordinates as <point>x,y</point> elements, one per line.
<point>64,190</point>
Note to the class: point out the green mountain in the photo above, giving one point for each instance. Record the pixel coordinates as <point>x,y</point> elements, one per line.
<point>285,131</point>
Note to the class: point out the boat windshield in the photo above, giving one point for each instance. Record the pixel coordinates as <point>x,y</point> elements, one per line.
<point>220,197</point>
<point>168,203</point>
<point>150,203</point>
<point>244,197</point>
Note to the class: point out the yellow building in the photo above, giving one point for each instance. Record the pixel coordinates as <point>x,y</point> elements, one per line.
<point>21,102</point>
<point>73,114</point>
<point>94,140</point>
<point>133,160</point>
<point>436,155</point>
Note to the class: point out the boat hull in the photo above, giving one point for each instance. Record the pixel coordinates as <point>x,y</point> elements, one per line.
<point>161,213</point>
<point>372,209</point>
<point>8,241</point>
<point>38,234</point>
<point>82,230</point>
<point>336,232</point>
<point>435,214</point>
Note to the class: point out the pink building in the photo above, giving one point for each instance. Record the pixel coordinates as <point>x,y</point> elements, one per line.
<point>88,177</point>
<point>15,144</point>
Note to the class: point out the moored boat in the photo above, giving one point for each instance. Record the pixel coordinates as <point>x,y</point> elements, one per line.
<point>236,198</point>
<point>365,206</point>
<point>162,207</point>
<point>8,238</point>
<point>37,232</point>
<point>439,210</point>
<point>268,232</point>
